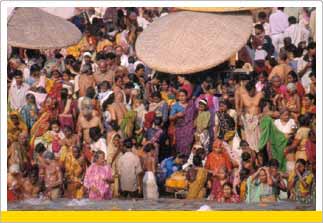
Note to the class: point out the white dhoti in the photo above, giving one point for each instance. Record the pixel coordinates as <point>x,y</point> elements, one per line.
<point>251,130</point>
<point>150,188</point>
<point>278,41</point>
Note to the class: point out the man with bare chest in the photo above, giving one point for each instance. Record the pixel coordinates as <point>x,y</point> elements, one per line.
<point>250,114</point>
<point>104,74</point>
<point>150,188</point>
<point>53,176</point>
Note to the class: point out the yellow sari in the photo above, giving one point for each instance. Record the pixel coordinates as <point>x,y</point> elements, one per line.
<point>197,188</point>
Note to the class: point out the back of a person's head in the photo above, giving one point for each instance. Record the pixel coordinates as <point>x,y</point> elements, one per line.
<point>245,156</point>
<point>292,20</point>
<point>40,148</point>
<point>283,56</point>
<point>95,133</point>
<point>197,160</point>
<point>262,15</point>
<point>281,8</point>
<point>311,45</point>
<point>260,27</point>
<point>90,92</point>
<point>128,143</point>
<point>273,163</point>
<point>149,147</point>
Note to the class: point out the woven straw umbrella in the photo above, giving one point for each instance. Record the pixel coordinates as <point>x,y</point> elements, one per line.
<point>34,28</point>
<point>187,42</point>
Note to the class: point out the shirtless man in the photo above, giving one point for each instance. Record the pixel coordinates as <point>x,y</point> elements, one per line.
<point>86,80</point>
<point>118,108</point>
<point>150,188</point>
<point>31,186</point>
<point>103,74</point>
<point>17,152</point>
<point>250,117</point>
<point>14,183</point>
<point>282,69</point>
<point>53,176</point>
<point>87,119</point>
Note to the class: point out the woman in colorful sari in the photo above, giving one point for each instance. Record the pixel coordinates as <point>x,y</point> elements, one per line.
<point>16,125</point>
<point>224,122</point>
<point>259,187</point>
<point>197,177</point>
<point>98,178</point>
<point>308,104</point>
<point>299,144</point>
<point>300,183</point>
<point>159,106</point>
<point>183,112</point>
<point>227,195</point>
<point>67,109</point>
<point>114,153</point>
<point>202,123</point>
<point>29,112</point>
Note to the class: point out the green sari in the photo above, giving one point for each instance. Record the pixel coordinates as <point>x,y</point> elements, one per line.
<point>277,139</point>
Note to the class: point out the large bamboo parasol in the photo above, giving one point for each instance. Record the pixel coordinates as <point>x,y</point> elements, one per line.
<point>34,28</point>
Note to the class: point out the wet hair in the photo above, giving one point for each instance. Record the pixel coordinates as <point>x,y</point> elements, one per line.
<point>251,85</point>
<point>245,156</point>
<point>90,92</point>
<point>292,20</point>
<point>114,125</point>
<point>97,154</point>
<point>40,148</point>
<point>101,56</point>
<point>262,15</point>
<point>95,133</point>
<point>311,45</point>
<point>273,163</point>
<point>139,67</point>
<point>260,27</point>
<point>301,161</point>
<point>128,143</point>
<point>54,122</point>
<point>149,147</point>
<point>304,120</point>
<point>197,160</point>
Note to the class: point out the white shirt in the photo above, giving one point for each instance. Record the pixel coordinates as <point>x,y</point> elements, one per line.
<point>142,22</point>
<point>278,22</point>
<point>17,96</point>
<point>285,128</point>
<point>297,33</point>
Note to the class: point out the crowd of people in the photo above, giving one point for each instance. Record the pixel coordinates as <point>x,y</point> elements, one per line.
<point>93,121</point>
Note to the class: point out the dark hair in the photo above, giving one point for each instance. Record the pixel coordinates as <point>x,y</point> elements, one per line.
<point>245,156</point>
<point>54,122</point>
<point>101,56</point>
<point>149,147</point>
<point>301,161</point>
<point>128,143</point>
<point>197,160</point>
<point>95,133</point>
<point>68,128</point>
<point>129,85</point>
<point>181,156</point>
<point>244,173</point>
<point>292,20</point>
<point>156,94</point>
<point>110,56</point>
<point>114,125</point>
<point>262,15</point>
<point>273,163</point>
<point>34,68</point>
<point>90,92</point>
<point>31,96</point>
<point>244,143</point>
<point>18,73</point>
<point>294,76</point>
<point>251,85</point>
<point>97,154</point>
<point>64,94</point>
<point>40,148</point>
<point>260,27</point>
<point>283,56</point>
<point>312,74</point>
<point>311,45</point>
<point>158,121</point>
<point>183,91</point>
<point>304,120</point>
<point>108,101</point>
<point>281,8</point>
<point>106,83</point>
<point>139,67</point>
<point>227,184</point>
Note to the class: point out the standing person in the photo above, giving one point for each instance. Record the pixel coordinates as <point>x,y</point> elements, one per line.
<point>282,69</point>
<point>278,23</point>
<point>197,177</point>
<point>250,119</point>
<point>74,165</point>
<point>86,79</point>
<point>224,122</point>
<point>129,168</point>
<point>185,85</point>
<point>150,188</point>
<point>67,109</point>
<point>183,113</point>
<point>29,111</point>
<point>98,178</point>
<point>53,176</point>
<point>300,182</point>
<point>202,123</point>
<point>296,31</point>
<point>17,92</point>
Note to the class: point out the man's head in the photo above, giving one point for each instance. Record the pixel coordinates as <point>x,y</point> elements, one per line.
<point>110,58</point>
<point>259,29</point>
<point>276,81</point>
<point>287,42</point>
<point>19,77</point>
<point>244,145</point>
<point>156,97</point>
<point>140,70</point>
<point>127,144</point>
<point>149,148</point>
<point>292,20</point>
<point>262,16</point>
<point>76,151</point>
<point>223,106</point>
<point>273,167</point>
<point>103,66</point>
<point>87,108</point>
<point>251,88</point>
<point>95,133</point>
<point>23,136</point>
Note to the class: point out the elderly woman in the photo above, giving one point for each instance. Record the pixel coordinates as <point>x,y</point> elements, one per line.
<point>98,178</point>
<point>292,101</point>
<point>260,187</point>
